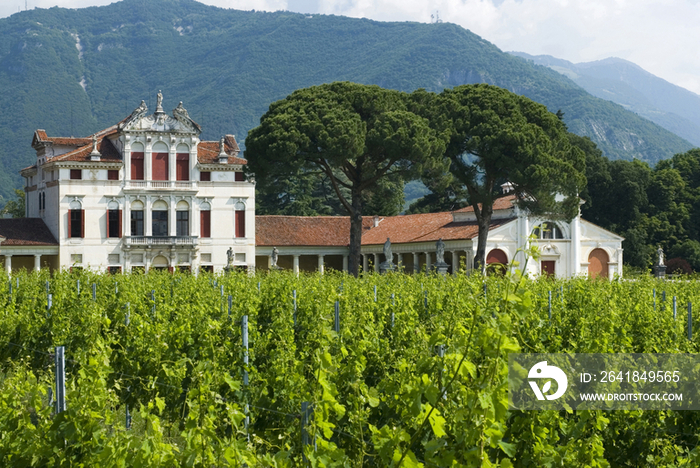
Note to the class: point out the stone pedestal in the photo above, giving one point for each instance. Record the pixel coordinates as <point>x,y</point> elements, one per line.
<point>441,268</point>
<point>659,271</point>
<point>386,267</point>
<point>228,269</point>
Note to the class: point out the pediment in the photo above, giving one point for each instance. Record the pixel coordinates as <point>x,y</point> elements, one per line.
<point>590,231</point>
<point>159,121</point>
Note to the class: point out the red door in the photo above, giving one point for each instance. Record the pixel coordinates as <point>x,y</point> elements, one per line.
<point>548,267</point>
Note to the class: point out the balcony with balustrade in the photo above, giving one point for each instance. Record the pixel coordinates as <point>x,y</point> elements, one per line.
<point>160,185</point>
<point>146,242</point>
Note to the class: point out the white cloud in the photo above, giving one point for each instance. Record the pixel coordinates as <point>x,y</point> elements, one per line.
<point>659,36</point>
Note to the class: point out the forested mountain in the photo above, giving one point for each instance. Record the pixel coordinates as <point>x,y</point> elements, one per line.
<point>674,108</point>
<point>73,72</point>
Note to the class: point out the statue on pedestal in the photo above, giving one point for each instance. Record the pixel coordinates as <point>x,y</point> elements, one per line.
<point>659,268</point>
<point>274,257</point>
<point>440,265</point>
<point>229,257</point>
<point>388,263</point>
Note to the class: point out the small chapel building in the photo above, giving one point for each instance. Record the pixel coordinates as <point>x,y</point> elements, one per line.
<point>321,242</point>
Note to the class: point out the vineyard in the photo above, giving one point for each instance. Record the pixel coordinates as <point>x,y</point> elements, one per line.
<point>327,371</point>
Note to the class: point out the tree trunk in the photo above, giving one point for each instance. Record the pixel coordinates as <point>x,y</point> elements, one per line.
<point>484,220</point>
<point>355,233</point>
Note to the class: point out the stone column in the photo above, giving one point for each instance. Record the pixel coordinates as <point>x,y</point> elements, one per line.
<point>376,262</point>
<point>269,262</point>
<point>469,260</point>
<point>172,174</point>
<point>428,260</point>
<point>320,264</point>
<point>455,262</point>
<point>345,263</point>
<point>296,264</point>
<point>575,227</point>
<point>8,264</point>
<point>148,217</point>
<point>148,163</point>
<point>172,217</point>
<point>416,263</point>
<point>37,262</point>
<point>365,263</point>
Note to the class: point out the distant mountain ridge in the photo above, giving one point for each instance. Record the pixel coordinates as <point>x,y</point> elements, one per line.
<point>674,108</point>
<point>73,72</point>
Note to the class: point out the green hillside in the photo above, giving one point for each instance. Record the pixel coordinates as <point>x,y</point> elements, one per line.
<point>227,66</point>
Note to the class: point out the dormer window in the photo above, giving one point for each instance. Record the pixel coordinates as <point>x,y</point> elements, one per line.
<point>548,230</point>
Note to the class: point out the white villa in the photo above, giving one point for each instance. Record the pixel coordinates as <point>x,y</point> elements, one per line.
<point>147,193</point>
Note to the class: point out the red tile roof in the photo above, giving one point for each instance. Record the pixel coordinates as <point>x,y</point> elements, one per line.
<point>302,230</point>
<point>503,203</point>
<point>427,227</point>
<point>335,230</point>
<point>108,152</point>
<point>208,151</point>
<point>25,231</point>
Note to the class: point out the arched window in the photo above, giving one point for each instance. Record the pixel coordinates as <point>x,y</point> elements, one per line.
<point>76,220</point>
<point>548,230</point>
<point>182,162</point>
<point>205,220</point>
<point>137,218</point>
<point>182,225</point>
<point>160,219</point>
<point>159,166</point>
<point>239,219</point>
<point>137,161</point>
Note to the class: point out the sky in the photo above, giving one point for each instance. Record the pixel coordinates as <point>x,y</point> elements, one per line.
<point>660,36</point>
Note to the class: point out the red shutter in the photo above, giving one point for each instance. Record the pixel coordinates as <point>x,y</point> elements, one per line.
<point>160,166</point>
<point>240,223</point>
<point>239,177</point>
<point>107,234</point>
<point>70,233</point>
<point>182,166</point>
<point>205,176</point>
<point>113,174</point>
<point>82,224</point>
<point>120,223</point>
<point>205,223</point>
<point>137,166</point>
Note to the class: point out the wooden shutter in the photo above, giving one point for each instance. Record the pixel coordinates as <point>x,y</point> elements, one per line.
<point>70,232</point>
<point>205,223</point>
<point>108,210</point>
<point>160,166</point>
<point>205,176</point>
<point>137,166</point>
<point>120,223</point>
<point>239,176</point>
<point>240,223</point>
<point>182,166</point>
<point>82,224</point>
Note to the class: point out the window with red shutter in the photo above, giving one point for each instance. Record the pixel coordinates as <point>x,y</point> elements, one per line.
<point>113,174</point>
<point>76,174</point>
<point>240,223</point>
<point>160,166</point>
<point>137,172</point>
<point>182,166</point>
<point>205,176</point>
<point>239,177</point>
<point>205,223</point>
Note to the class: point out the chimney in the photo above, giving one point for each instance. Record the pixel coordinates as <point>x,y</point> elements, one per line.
<point>376,221</point>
